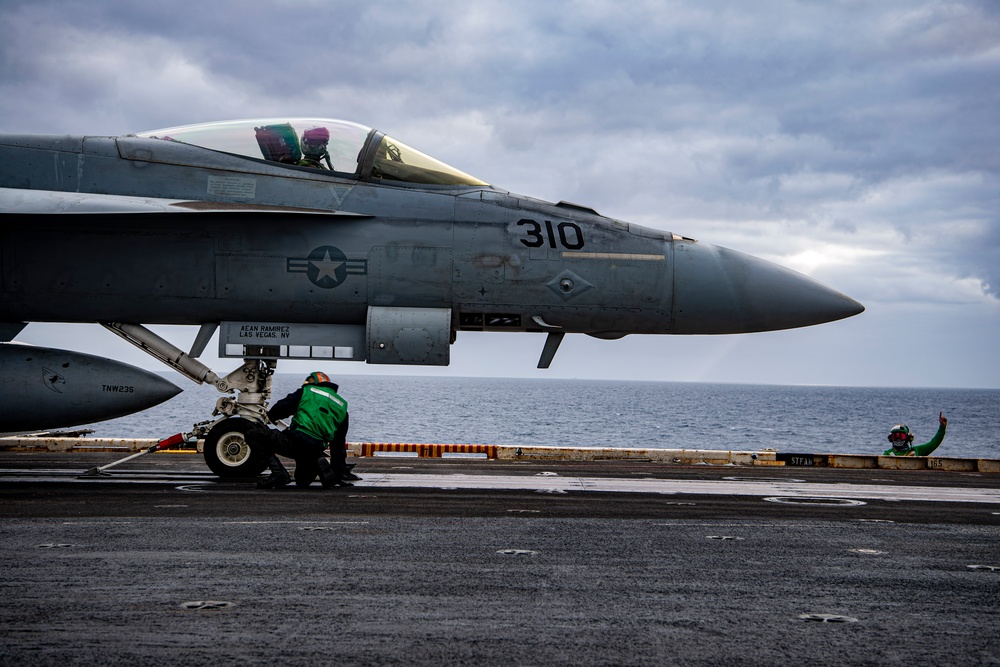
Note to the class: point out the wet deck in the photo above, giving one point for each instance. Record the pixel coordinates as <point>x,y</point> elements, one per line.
<point>481,561</point>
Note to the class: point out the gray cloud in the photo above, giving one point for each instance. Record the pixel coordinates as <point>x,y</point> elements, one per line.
<point>855,141</point>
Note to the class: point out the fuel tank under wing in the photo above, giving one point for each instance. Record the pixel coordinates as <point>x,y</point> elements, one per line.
<point>50,388</point>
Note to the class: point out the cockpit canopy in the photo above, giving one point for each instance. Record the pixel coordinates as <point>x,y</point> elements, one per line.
<point>344,148</point>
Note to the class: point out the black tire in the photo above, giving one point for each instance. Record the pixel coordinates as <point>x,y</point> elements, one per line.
<point>227,452</point>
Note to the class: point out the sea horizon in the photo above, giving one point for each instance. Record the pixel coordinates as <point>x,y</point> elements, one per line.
<point>665,414</point>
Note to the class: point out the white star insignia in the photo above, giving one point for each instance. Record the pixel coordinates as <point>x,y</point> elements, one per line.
<point>327,267</point>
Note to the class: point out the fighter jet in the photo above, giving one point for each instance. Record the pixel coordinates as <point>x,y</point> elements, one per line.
<point>310,238</point>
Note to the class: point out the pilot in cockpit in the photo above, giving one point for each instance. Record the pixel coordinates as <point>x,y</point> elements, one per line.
<point>314,151</point>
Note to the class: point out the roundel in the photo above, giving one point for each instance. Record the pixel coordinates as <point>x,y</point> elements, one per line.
<point>327,266</point>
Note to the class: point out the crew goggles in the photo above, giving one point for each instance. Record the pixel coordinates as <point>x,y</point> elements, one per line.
<point>898,435</point>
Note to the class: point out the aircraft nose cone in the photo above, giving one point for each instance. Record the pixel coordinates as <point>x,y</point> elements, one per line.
<point>721,291</point>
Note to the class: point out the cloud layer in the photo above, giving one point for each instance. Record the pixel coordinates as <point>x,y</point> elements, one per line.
<point>856,142</point>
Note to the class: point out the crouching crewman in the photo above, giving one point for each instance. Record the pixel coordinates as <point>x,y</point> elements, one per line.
<point>320,420</point>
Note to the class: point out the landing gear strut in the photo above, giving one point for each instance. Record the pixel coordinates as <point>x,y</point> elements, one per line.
<point>226,450</point>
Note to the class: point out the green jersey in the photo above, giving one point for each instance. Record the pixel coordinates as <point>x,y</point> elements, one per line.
<point>321,411</point>
<point>920,450</point>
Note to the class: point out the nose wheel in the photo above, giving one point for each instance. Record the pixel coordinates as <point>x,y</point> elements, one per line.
<point>226,450</point>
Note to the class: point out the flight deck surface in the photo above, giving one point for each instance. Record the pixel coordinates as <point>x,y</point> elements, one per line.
<point>452,561</point>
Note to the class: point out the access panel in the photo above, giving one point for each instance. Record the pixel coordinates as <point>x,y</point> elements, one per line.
<point>412,336</point>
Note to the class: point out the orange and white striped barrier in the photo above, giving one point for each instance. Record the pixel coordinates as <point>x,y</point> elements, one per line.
<point>426,451</point>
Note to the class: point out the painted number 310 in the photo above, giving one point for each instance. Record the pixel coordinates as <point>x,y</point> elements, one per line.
<point>565,234</point>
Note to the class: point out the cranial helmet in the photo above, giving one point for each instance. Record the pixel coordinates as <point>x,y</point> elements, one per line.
<point>900,437</point>
<point>316,378</point>
<point>316,135</point>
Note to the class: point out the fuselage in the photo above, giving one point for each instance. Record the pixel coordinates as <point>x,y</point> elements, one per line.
<point>143,229</point>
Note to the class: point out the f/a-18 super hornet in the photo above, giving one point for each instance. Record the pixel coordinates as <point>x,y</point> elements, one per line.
<point>322,239</point>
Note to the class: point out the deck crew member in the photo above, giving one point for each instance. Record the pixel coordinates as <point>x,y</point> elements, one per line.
<point>320,420</point>
<point>902,440</point>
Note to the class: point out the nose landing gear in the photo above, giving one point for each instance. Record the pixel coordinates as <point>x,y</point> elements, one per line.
<point>226,450</point>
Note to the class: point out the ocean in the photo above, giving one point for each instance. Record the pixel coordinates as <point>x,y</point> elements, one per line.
<point>597,413</point>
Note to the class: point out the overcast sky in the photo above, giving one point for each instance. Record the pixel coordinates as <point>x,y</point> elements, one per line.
<point>857,142</point>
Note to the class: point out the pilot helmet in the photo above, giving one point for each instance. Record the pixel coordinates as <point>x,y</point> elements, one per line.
<point>316,378</point>
<point>900,437</point>
<point>316,136</point>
